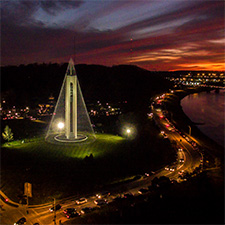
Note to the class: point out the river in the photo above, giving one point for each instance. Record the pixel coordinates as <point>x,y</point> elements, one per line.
<point>207,108</point>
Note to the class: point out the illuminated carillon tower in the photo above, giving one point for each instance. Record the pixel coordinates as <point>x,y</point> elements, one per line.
<point>71,103</point>
<point>70,121</point>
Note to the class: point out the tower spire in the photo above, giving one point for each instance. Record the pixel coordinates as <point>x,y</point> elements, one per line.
<point>70,121</point>
<point>70,68</point>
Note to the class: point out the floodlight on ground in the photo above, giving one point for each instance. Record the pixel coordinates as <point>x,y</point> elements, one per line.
<point>128,131</point>
<point>60,125</point>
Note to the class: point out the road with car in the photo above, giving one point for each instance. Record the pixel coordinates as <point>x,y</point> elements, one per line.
<point>188,157</point>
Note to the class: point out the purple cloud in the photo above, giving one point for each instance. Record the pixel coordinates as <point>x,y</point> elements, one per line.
<point>147,33</point>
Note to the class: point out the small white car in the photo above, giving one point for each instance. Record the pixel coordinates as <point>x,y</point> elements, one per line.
<point>81,201</point>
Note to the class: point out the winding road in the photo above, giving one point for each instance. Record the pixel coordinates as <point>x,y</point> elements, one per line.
<point>10,213</point>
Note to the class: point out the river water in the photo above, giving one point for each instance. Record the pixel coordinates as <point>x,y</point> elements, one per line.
<point>207,108</point>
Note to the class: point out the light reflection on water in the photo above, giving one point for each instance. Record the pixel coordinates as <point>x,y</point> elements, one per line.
<point>207,108</point>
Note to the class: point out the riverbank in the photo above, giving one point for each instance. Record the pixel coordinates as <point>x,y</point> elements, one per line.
<point>207,111</point>
<point>176,115</point>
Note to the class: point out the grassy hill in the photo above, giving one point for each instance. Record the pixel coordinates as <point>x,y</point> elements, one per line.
<point>61,171</point>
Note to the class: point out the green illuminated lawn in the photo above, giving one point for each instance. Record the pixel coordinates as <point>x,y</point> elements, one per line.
<point>61,170</point>
<point>54,169</point>
<point>38,147</point>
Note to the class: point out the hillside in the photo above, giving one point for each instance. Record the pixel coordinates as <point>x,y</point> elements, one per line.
<point>34,83</point>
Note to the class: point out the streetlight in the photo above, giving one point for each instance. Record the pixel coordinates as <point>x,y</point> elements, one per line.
<point>54,212</point>
<point>54,209</point>
<point>128,131</point>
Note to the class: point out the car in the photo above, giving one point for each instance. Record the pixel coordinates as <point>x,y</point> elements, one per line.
<point>72,214</point>
<point>180,172</point>
<point>100,202</point>
<point>187,139</point>
<point>181,160</point>
<point>180,149</point>
<point>173,168</point>
<point>21,221</point>
<point>167,168</point>
<point>146,175</point>
<point>81,201</point>
<point>69,210</point>
<point>103,194</point>
<point>87,210</point>
<point>143,190</point>
<point>57,207</point>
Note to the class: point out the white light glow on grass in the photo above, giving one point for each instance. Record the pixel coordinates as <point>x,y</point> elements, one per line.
<point>60,125</point>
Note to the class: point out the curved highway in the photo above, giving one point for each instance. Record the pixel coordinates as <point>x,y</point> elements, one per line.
<point>187,159</point>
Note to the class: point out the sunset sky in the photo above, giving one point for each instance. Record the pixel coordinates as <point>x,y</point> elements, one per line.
<point>152,34</point>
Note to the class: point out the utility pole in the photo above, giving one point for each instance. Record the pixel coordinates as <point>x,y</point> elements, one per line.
<point>54,211</point>
<point>27,204</point>
<point>27,192</point>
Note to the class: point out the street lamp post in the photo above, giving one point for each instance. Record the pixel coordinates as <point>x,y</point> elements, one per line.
<point>54,209</point>
<point>54,202</point>
<point>27,204</point>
